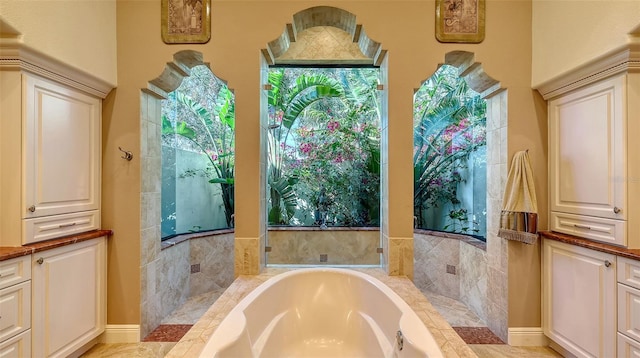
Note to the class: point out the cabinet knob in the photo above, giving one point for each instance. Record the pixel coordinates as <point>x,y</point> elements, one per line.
<point>607,263</point>
<point>40,261</point>
<point>32,208</point>
<point>616,209</point>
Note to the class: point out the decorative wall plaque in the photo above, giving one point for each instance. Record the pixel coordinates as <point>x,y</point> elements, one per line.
<point>186,21</point>
<point>460,20</point>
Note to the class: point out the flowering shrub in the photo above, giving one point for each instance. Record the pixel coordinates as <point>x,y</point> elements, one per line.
<point>329,154</point>
<point>199,118</point>
<point>449,130</point>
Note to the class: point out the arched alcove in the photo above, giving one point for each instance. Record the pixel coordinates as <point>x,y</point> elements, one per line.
<point>323,16</point>
<point>320,36</point>
<point>481,278</point>
<point>165,281</point>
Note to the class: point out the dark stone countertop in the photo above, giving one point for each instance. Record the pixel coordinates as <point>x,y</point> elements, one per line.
<point>633,254</point>
<point>9,252</point>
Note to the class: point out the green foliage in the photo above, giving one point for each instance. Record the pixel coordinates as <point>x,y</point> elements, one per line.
<point>325,136</point>
<point>203,115</point>
<point>449,125</point>
<point>289,99</point>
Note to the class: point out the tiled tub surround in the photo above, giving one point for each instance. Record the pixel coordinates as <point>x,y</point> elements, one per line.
<point>193,342</point>
<point>305,245</point>
<point>454,266</point>
<point>322,312</point>
<point>185,267</point>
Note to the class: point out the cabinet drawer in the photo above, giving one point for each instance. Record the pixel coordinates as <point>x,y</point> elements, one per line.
<point>15,309</point>
<point>17,347</point>
<point>598,229</point>
<point>15,271</point>
<point>627,347</point>
<point>629,272</point>
<point>51,227</point>
<point>629,311</point>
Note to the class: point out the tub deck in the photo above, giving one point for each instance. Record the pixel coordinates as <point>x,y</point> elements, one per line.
<point>194,341</point>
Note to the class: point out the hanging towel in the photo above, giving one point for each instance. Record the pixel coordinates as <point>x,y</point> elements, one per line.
<point>519,216</point>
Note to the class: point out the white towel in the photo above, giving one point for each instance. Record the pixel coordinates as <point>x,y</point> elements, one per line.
<point>519,216</point>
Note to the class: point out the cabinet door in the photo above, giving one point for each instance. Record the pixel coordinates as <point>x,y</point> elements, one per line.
<point>61,149</point>
<point>17,347</point>
<point>628,348</point>
<point>629,311</point>
<point>68,297</point>
<point>578,299</point>
<point>587,150</point>
<point>15,309</point>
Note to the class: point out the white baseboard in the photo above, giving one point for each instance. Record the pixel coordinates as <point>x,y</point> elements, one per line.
<point>527,336</point>
<point>121,333</point>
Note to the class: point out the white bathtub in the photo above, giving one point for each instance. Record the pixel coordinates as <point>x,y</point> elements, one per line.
<point>321,312</point>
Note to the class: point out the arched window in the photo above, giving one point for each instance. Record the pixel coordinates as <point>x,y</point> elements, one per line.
<point>198,141</point>
<point>449,155</point>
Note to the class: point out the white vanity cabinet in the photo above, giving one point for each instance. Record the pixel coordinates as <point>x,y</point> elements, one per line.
<point>61,169</point>
<point>628,308</point>
<point>15,307</point>
<point>594,151</point>
<point>579,299</point>
<point>587,162</point>
<point>69,297</point>
<point>50,158</point>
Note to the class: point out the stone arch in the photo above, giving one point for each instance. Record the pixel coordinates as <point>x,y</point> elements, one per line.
<point>484,288</point>
<point>473,73</point>
<point>176,71</point>
<point>152,306</point>
<point>320,16</point>
<point>371,54</point>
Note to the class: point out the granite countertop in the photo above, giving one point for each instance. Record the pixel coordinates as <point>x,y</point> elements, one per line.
<point>9,252</point>
<point>633,254</point>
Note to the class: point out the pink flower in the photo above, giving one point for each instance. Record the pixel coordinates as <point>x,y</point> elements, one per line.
<point>332,126</point>
<point>212,154</point>
<point>306,147</point>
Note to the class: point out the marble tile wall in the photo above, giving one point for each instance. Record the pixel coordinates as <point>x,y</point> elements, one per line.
<point>214,255</point>
<point>247,256</point>
<point>432,255</point>
<point>172,287</point>
<point>497,253</point>
<point>468,284</point>
<point>150,180</point>
<point>401,257</point>
<point>323,43</point>
<point>481,275</point>
<point>168,281</point>
<point>165,281</point>
<point>473,279</point>
<point>341,247</point>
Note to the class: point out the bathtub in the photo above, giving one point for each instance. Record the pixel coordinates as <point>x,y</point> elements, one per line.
<point>322,312</point>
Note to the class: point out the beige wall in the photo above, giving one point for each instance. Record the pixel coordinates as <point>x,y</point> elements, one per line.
<point>80,33</point>
<point>569,33</point>
<point>239,30</point>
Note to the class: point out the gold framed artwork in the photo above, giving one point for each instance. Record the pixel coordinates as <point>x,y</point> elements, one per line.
<point>186,21</point>
<point>460,21</point>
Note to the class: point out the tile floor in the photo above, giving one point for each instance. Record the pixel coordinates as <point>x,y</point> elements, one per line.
<point>453,311</point>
